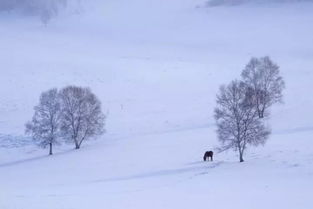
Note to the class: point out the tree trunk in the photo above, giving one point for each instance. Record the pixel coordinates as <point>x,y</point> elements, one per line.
<point>80,143</point>
<point>261,110</point>
<point>50,149</point>
<point>77,145</point>
<point>260,113</point>
<point>241,156</point>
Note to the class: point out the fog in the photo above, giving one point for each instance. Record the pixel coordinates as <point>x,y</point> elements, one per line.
<point>45,10</point>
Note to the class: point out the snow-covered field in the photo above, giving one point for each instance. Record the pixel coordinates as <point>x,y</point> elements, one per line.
<point>156,65</point>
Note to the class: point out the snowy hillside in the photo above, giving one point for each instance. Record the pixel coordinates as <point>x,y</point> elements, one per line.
<point>156,66</point>
<point>259,2</point>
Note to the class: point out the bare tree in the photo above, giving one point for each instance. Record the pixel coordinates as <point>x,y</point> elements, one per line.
<point>45,9</point>
<point>82,117</point>
<point>263,78</point>
<point>238,124</point>
<point>49,8</point>
<point>45,123</point>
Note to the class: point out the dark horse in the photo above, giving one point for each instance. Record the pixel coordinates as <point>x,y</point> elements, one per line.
<point>208,154</point>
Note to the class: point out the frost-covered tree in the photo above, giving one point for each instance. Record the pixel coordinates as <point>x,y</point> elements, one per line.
<point>82,117</point>
<point>238,124</point>
<point>45,9</point>
<point>45,124</point>
<point>263,78</point>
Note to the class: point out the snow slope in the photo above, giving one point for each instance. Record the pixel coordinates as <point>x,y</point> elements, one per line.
<point>260,2</point>
<point>157,66</point>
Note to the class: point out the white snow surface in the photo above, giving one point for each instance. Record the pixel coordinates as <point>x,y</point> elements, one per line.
<point>157,66</point>
<point>259,2</point>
